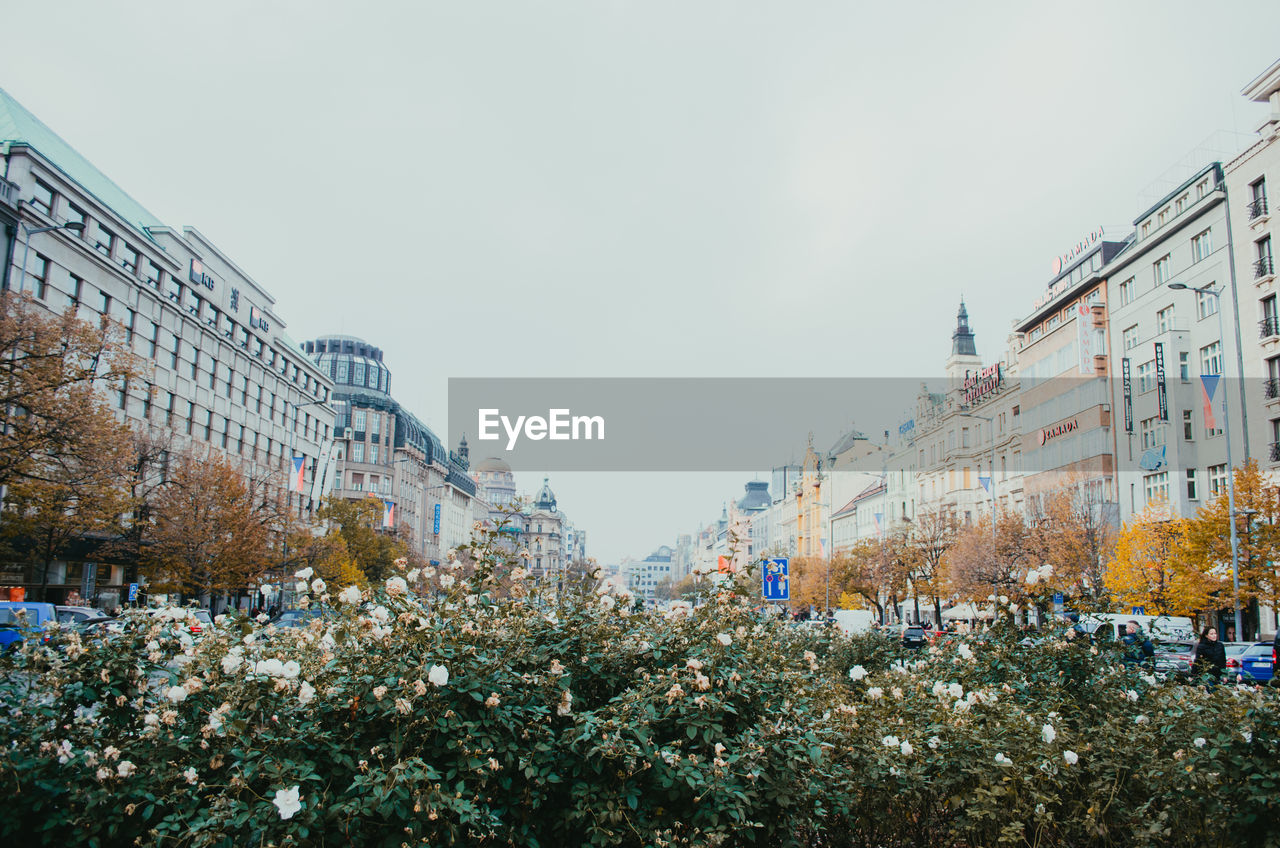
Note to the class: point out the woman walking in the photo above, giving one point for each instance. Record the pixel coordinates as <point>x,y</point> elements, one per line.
<point>1209,657</point>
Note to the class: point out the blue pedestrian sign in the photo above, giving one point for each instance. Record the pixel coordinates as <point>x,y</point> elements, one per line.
<point>1057,601</point>
<point>776,579</point>
<point>133,592</point>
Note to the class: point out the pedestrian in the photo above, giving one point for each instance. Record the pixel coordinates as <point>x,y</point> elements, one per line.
<point>1137,647</point>
<point>1209,657</point>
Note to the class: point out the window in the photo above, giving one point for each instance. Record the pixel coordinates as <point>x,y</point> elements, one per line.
<point>42,198</point>
<point>1163,217</point>
<point>1211,358</point>
<point>1156,486</point>
<point>1131,337</point>
<point>1161,270</point>
<point>1184,365</point>
<point>106,242</point>
<point>1126,292</point>
<point>1264,265</point>
<point>177,353</point>
<point>373,454</point>
<point>1053,322</point>
<point>74,291</point>
<point>1202,188</point>
<point>1181,204</point>
<point>105,304</point>
<point>1188,426</point>
<point>1206,304</point>
<point>1164,320</point>
<point>375,424</point>
<point>342,371</point>
<point>129,258</point>
<point>39,274</point>
<point>1202,246</point>
<point>1146,228</point>
<point>154,339</point>
<point>357,452</point>
<point>1152,433</point>
<point>1217,479</point>
<point>76,215</point>
<point>154,275</point>
<point>174,291</point>
<point>359,420</point>
<point>1192,494</point>
<point>357,376</point>
<point>1146,376</point>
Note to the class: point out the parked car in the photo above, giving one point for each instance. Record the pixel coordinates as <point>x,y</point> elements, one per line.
<point>20,618</point>
<point>204,622</point>
<point>301,617</point>
<point>70,615</point>
<point>913,636</point>
<point>1174,658</point>
<point>1253,663</point>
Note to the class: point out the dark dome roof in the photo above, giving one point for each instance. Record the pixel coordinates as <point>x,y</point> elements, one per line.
<point>492,463</point>
<point>545,499</point>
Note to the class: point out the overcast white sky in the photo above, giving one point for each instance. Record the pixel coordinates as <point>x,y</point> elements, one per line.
<point>641,189</point>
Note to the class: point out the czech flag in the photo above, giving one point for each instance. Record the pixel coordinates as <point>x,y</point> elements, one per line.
<point>388,514</point>
<point>1209,387</point>
<point>299,463</point>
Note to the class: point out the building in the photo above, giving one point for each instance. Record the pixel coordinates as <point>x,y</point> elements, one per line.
<point>382,450</point>
<point>644,576</point>
<point>1253,229</point>
<point>967,440</point>
<point>1166,340</point>
<point>222,373</point>
<point>1066,405</point>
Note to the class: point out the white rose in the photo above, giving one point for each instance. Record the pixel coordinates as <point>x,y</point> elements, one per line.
<point>306,693</point>
<point>857,673</point>
<point>890,742</point>
<point>177,694</point>
<point>1071,757</point>
<point>724,639</point>
<point>349,595</point>
<point>1198,742</point>
<point>304,573</point>
<point>396,586</point>
<point>287,802</point>
<point>438,675</point>
<point>906,749</point>
<point>318,586</point>
<point>1048,734</point>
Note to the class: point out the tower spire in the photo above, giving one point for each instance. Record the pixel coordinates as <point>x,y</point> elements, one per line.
<point>962,343</point>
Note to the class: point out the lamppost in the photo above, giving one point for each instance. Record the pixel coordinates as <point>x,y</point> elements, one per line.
<point>28,232</point>
<point>1226,426</point>
<point>992,426</point>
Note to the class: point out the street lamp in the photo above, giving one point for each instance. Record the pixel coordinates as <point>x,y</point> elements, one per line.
<point>28,232</point>
<point>1231,476</point>
<point>992,426</point>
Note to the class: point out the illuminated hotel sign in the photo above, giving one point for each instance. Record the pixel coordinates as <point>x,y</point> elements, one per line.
<point>1058,430</point>
<point>1060,262</point>
<point>979,384</point>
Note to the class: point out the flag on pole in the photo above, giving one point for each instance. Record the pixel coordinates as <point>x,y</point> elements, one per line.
<point>879,519</point>
<point>388,514</point>
<point>984,482</point>
<point>299,463</point>
<point>1209,387</point>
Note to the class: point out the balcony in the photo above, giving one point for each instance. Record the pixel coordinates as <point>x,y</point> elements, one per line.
<point>1269,327</point>
<point>1275,451</point>
<point>1271,389</point>
<point>1259,213</point>
<point>1264,270</point>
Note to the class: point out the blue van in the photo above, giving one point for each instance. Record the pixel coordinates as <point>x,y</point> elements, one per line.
<point>17,618</point>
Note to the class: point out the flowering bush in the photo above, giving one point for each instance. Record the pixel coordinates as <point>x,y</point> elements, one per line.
<point>490,715</point>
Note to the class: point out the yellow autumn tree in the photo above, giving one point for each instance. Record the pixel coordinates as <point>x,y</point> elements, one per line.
<point>1149,567</point>
<point>1208,537</point>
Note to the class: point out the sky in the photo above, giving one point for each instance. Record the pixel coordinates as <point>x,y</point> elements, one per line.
<point>660,189</point>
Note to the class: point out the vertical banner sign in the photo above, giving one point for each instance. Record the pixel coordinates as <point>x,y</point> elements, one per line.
<point>1128,395</point>
<point>1162,393</point>
<point>1209,387</point>
<point>1085,337</point>
<point>435,524</point>
<point>88,581</point>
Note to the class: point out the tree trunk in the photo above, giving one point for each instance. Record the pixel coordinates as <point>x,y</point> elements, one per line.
<point>44,573</point>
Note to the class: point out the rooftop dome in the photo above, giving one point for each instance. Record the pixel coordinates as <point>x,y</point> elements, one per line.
<point>545,499</point>
<point>492,463</point>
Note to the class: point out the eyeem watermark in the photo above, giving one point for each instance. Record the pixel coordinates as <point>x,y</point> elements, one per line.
<point>559,425</point>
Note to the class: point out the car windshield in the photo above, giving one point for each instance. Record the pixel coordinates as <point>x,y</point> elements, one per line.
<point>1262,650</point>
<point>1174,648</point>
<point>204,617</point>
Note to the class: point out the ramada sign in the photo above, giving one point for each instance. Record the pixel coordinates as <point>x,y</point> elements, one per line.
<point>1060,262</point>
<point>979,384</point>
<point>1058,430</point>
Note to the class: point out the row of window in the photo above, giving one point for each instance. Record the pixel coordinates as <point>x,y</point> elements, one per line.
<point>1156,486</point>
<point>128,258</point>
<point>1180,205</point>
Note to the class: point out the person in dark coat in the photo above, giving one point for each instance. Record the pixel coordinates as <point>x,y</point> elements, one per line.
<point>1209,657</point>
<point>1137,647</point>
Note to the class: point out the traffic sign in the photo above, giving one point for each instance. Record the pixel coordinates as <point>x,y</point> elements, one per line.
<point>1139,611</point>
<point>1057,602</point>
<point>776,582</point>
<point>133,592</point>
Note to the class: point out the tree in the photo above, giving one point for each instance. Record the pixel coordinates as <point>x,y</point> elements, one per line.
<point>1150,567</point>
<point>1073,533</point>
<point>875,570</point>
<point>1207,542</point>
<point>52,371</point>
<point>357,522</point>
<point>975,571</point>
<point>72,497</point>
<point>931,537</point>
<point>211,530</point>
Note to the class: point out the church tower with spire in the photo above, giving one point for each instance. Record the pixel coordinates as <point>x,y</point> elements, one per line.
<point>964,352</point>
